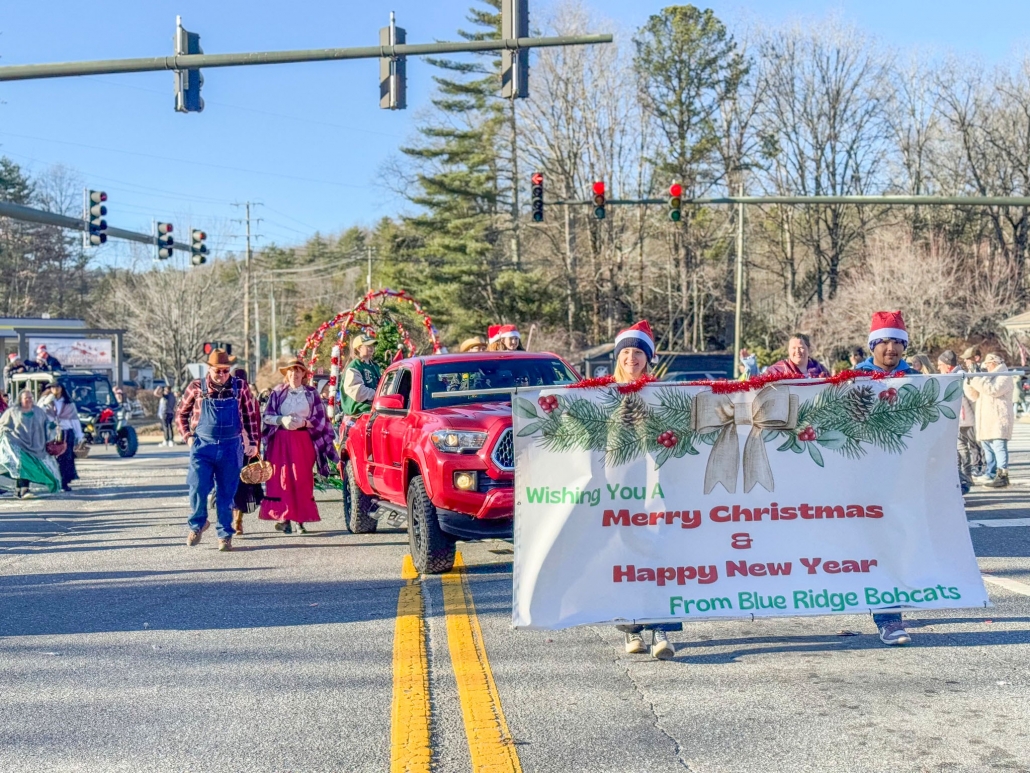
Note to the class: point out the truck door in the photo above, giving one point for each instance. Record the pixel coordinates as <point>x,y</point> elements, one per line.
<point>388,437</point>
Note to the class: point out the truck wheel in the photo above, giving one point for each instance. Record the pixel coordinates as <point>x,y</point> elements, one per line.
<point>432,551</point>
<point>128,444</point>
<point>356,504</point>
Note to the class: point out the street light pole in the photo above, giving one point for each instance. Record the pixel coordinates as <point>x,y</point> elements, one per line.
<point>740,279</point>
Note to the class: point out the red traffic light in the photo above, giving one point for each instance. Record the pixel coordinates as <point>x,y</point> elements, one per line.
<point>675,190</point>
<point>537,178</point>
<point>208,348</point>
<point>599,188</point>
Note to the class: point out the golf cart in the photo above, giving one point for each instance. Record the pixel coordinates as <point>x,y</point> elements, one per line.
<point>103,419</point>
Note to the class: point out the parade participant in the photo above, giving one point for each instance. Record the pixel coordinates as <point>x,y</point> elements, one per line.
<point>360,378</point>
<point>14,365</point>
<point>474,344</point>
<point>212,417</point>
<point>970,455</point>
<point>888,339</point>
<point>46,361</point>
<point>798,363</point>
<point>298,437</point>
<point>920,363</point>
<point>248,495</point>
<point>856,356</point>
<point>995,416</point>
<point>166,411</point>
<point>971,357</point>
<point>23,456</point>
<point>504,338</point>
<point>634,351</point>
<point>63,412</point>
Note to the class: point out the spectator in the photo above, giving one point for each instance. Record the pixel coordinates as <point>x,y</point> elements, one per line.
<point>856,356</point>
<point>995,415</point>
<point>749,364</point>
<point>887,341</point>
<point>920,363</point>
<point>798,363</point>
<point>971,357</point>
<point>166,413</point>
<point>970,456</point>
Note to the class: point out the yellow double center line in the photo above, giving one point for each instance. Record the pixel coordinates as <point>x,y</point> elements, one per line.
<point>491,747</point>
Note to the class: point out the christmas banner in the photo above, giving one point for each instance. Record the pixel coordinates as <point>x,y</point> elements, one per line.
<point>670,503</point>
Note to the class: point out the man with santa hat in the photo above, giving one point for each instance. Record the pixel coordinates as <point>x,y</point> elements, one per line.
<point>46,361</point>
<point>888,340</point>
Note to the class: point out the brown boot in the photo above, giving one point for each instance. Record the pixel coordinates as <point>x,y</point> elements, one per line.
<point>237,521</point>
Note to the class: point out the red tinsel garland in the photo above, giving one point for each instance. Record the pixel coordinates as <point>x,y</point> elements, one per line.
<point>726,386</point>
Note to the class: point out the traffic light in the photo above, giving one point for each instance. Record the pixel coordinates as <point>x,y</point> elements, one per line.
<point>198,250</point>
<point>210,346</point>
<point>599,199</point>
<point>164,241</point>
<point>96,211</point>
<point>675,201</point>
<point>515,63</point>
<point>538,197</point>
<point>187,82</point>
<point>393,78</point>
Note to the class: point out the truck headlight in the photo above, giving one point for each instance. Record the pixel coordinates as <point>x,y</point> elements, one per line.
<point>455,441</point>
<point>465,481</point>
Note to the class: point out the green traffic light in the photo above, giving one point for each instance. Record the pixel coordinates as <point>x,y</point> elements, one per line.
<point>674,215</point>
<point>538,217</point>
<point>599,213</point>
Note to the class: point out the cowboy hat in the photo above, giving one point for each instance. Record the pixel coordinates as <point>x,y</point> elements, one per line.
<point>295,363</point>
<point>220,358</point>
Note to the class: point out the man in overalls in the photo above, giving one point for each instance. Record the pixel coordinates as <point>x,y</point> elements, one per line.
<point>216,420</point>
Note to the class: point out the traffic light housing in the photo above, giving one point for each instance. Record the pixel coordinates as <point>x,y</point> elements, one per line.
<point>198,250</point>
<point>96,211</point>
<point>187,82</point>
<point>210,346</point>
<point>393,77</point>
<point>599,199</point>
<point>164,241</point>
<point>538,197</point>
<point>515,63</point>
<point>675,202</point>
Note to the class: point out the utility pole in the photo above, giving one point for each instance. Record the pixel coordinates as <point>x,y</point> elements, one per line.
<point>740,280</point>
<point>274,336</point>
<point>368,278</point>
<point>257,338</point>
<point>247,279</point>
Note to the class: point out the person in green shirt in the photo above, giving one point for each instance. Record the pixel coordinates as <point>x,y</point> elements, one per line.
<point>360,378</point>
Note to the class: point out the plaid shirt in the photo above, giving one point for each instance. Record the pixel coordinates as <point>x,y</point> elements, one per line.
<point>187,414</point>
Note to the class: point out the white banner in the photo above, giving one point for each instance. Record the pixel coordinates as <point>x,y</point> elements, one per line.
<point>76,352</point>
<point>676,503</point>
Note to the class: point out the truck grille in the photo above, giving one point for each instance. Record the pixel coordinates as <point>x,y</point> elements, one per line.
<point>504,451</point>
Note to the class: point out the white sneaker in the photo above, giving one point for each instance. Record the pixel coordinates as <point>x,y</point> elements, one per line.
<point>894,634</point>
<point>635,643</point>
<point>661,648</point>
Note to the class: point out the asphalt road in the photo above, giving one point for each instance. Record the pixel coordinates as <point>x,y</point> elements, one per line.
<point>122,650</point>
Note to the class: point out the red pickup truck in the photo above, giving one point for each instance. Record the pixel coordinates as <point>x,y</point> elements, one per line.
<point>437,449</point>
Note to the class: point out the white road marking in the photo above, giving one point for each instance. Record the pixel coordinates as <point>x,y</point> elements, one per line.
<point>1013,585</point>
<point>1000,522</point>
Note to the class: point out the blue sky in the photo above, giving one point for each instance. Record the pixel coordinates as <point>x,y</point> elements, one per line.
<point>308,140</point>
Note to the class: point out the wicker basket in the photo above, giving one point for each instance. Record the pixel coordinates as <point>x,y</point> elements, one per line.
<point>256,472</point>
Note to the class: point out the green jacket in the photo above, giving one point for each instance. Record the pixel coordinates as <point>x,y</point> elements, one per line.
<point>370,375</point>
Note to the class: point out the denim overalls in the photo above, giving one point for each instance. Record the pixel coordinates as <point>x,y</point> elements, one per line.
<point>216,457</point>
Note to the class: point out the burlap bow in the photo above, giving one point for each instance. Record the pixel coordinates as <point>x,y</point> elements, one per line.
<point>772,408</point>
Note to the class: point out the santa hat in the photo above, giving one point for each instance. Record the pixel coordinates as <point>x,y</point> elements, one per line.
<point>495,333</point>
<point>40,349</point>
<point>887,324</point>
<point>12,356</point>
<point>639,336</point>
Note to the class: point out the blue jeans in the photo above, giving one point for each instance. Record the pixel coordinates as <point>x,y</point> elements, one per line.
<point>210,463</point>
<point>996,455</point>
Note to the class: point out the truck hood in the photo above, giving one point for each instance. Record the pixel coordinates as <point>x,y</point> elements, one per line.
<point>473,414</point>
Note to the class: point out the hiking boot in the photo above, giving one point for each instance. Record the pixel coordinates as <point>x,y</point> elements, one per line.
<point>661,648</point>
<point>237,522</point>
<point>194,536</point>
<point>1001,480</point>
<point>225,544</point>
<point>635,643</point>
<point>894,634</point>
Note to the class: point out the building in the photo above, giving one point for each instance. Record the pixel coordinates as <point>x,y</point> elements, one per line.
<point>71,341</point>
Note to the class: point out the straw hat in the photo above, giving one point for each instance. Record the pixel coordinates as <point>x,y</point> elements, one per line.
<point>295,363</point>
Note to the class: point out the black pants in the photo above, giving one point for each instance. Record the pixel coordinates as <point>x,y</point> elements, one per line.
<point>66,464</point>
<point>168,424</point>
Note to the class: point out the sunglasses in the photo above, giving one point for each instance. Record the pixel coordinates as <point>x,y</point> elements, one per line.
<point>220,370</point>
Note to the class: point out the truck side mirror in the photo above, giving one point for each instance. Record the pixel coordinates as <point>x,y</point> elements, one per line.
<point>389,403</point>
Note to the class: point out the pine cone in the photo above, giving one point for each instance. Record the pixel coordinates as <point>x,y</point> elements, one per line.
<point>632,411</point>
<point>860,401</point>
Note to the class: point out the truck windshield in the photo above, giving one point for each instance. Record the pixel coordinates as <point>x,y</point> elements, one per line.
<point>89,391</point>
<point>466,377</point>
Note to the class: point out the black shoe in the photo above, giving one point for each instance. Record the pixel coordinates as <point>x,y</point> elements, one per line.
<point>65,487</point>
<point>288,528</point>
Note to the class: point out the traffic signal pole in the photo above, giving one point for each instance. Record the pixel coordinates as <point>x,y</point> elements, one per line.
<point>182,62</point>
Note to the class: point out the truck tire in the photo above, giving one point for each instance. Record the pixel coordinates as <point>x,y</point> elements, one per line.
<point>356,504</point>
<point>128,443</point>
<point>432,551</point>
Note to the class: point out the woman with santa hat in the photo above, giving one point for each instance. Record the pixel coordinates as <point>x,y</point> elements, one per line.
<point>504,338</point>
<point>634,352</point>
<point>888,340</point>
